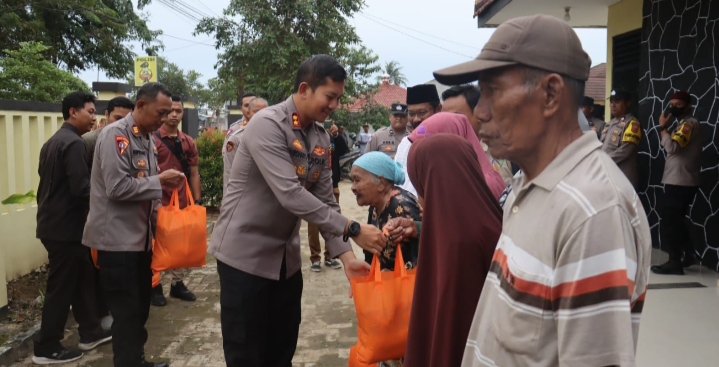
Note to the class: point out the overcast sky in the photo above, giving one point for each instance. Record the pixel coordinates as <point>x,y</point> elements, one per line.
<point>421,35</point>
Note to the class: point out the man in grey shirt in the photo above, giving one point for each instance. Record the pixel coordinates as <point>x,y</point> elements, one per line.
<point>281,173</point>
<point>125,189</point>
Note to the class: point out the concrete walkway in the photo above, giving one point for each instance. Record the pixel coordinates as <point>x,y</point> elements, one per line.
<point>187,334</point>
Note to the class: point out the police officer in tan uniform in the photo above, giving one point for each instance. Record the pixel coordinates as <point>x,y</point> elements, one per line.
<point>683,146</point>
<point>228,155</point>
<point>246,98</point>
<point>595,124</point>
<point>387,139</point>
<point>621,136</point>
<point>125,190</point>
<point>280,174</point>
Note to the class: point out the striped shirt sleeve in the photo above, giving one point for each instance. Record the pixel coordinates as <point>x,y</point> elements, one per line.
<point>594,292</point>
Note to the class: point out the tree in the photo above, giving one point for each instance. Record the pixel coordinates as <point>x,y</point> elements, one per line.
<point>26,75</point>
<point>264,47</point>
<point>371,113</point>
<point>394,71</point>
<point>80,34</point>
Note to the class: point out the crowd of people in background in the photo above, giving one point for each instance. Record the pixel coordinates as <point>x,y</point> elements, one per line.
<point>530,243</point>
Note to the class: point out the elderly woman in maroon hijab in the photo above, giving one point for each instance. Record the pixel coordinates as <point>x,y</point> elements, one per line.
<point>457,124</point>
<point>461,225</point>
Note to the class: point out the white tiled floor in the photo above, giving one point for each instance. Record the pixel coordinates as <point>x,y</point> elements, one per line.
<point>680,327</point>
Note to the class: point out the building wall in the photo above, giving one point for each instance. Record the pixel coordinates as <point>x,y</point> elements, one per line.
<point>623,17</point>
<point>679,51</point>
<point>22,134</point>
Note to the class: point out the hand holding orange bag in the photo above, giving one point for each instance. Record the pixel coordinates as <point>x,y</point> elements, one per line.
<point>181,235</point>
<point>383,301</point>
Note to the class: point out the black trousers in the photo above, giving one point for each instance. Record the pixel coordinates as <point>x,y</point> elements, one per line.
<point>127,280</point>
<point>70,281</point>
<point>260,317</point>
<point>677,237</point>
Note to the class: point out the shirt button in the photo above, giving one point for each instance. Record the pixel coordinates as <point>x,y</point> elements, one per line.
<point>515,210</point>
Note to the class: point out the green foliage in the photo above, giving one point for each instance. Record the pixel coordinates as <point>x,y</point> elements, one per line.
<point>26,75</point>
<point>394,71</point>
<point>81,34</point>
<point>264,48</point>
<point>27,198</point>
<point>217,93</point>
<point>209,148</point>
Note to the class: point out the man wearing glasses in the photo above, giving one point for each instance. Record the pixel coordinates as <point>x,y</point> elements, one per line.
<point>387,139</point>
<point>422,102</point>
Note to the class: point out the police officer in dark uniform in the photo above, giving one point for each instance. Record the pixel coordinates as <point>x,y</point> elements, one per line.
<point>621,136</point>
<point>387,139</point>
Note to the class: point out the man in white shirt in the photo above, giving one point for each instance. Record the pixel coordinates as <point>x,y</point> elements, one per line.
<point>364,138</point>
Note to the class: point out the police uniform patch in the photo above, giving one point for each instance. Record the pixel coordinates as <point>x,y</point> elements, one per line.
<point>683,134</point>
<point>122,144</point>
<point>135,130</point>
<point>296,121</point>
<point>142,163</point>
<point>154,149</point>
<point>388,148</point>
<point>319,151</point>
<point>141,174</point>
<point>230,146</point>
<point>316,175</point>
<point>301,170</point>
<point>244,123</point>
<point>297,144</point>
<point>633,133</point>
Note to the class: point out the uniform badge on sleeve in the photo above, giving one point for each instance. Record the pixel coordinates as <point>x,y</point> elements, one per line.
<point>230,146</point>
<point>122,144</point>
<point>295,121</point>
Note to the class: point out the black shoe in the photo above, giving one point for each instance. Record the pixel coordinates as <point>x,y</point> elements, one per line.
<point>90,344</point>
<point>178,290</point>
<point>157,298</point>
<point>62,355</point>
<point>669,268</point>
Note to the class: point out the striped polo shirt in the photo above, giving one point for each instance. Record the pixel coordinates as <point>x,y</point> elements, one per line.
<point>568,279</point>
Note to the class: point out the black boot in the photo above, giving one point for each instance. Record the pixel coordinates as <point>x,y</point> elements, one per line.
<point>689,260</point>
<point>179,290</point>
<point>669,268</point>
<point>157,298</point>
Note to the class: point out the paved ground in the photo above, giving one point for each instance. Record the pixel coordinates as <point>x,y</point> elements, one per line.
<point>188,334</point>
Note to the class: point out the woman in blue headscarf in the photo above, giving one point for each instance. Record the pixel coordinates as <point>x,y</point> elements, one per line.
<point>375,179</point>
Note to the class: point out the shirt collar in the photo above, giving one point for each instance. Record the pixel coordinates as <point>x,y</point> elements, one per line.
<point>292,108</point>
<point>164,134</point>
<point>132,124</point>
<point>565,162</point>
<point>69,126</point>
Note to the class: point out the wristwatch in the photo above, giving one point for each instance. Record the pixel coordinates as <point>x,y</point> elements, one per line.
<point>662,128</point>
<point>353,230</point>
<point>198,201</point>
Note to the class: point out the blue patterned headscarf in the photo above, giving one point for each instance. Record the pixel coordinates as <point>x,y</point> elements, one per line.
<point>380,164</point>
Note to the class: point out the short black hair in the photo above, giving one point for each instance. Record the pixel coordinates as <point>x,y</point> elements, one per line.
<point>150,91</point>
<point>178,99</point>
<point>76,100</point>
<point>248,94</point>
<point>434,105</point>
<point>121,102</point>
<point>470,92</point>
<point>315,71</point>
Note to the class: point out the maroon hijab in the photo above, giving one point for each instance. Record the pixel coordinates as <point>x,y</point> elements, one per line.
<point>461,225</point>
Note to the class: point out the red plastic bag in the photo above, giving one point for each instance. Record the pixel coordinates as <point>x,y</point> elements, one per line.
<point>181,235</point>
<point>383,301</point>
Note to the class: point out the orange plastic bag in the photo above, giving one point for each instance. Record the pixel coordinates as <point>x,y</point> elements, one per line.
<point>181,235</point>
<point>354,360</point>
<point>383,301</point>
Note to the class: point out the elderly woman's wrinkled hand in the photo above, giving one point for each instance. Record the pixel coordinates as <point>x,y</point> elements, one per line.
<point>400,229</point>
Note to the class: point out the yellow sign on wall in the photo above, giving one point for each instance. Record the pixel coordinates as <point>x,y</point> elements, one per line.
<point>145,70</point>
